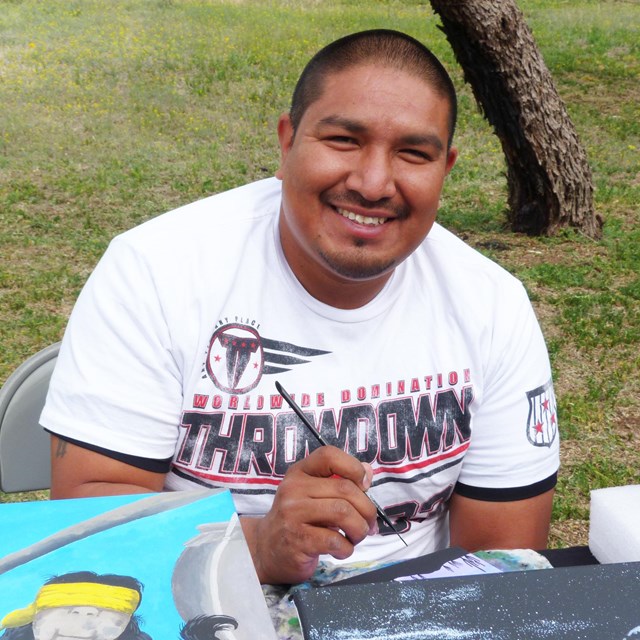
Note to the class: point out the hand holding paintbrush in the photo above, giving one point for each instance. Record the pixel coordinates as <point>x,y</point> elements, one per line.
<point>298,411</point>
<point>320,508</point>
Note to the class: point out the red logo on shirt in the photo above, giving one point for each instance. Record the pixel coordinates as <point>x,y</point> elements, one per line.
<point>235,359</point>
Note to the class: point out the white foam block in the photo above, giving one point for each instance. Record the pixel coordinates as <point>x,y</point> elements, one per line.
<point>614,527</point>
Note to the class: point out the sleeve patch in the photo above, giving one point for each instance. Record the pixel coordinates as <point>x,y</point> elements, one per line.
<point>542,421</point>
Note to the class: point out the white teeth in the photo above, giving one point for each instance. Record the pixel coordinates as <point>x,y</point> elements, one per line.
<point>360,219</point>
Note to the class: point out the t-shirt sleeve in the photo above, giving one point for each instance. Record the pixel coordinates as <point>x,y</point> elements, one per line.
<point>116,384</point>
<point>514,449</point>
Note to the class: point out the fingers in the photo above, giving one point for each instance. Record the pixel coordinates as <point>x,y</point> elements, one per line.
<point>333,503</point>
<point>339,481</point>
<point>320,508</point>
<point>328,461</point>
<point>289,543</point>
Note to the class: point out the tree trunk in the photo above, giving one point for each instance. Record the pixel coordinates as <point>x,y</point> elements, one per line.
<point>549,179</point>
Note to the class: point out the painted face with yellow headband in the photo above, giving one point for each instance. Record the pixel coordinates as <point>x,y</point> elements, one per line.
<point>77,611</point>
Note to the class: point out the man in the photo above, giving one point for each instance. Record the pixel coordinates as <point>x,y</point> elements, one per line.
<point>420,360</point>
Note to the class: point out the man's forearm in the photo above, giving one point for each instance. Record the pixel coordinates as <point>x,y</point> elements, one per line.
<point>77,472</point>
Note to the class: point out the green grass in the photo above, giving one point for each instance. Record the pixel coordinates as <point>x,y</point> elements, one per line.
<point>112,115</point>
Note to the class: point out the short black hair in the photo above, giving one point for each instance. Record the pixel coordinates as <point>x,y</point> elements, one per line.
<point>383,46</point>
<point>206,627</point>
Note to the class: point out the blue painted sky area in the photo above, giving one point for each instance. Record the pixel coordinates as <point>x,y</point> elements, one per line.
<point>37,520</point>
<point>146,548</point>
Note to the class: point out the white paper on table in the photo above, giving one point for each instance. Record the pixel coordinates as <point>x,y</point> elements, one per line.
<point>467,565</point>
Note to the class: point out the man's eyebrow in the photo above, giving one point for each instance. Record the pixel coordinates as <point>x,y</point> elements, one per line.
<point>413,140</point>
<point>344,123</point>
<point>428,140</point>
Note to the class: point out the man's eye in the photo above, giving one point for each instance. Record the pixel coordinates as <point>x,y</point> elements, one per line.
<point>342,140</point>
<point>415,155</point>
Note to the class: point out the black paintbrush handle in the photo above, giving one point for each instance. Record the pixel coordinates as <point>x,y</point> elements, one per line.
<point>298,411</point>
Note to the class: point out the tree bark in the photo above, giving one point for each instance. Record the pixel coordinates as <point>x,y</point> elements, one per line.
<point>549,178</point>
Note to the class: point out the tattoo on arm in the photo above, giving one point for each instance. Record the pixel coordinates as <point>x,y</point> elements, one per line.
<point>61,449</point>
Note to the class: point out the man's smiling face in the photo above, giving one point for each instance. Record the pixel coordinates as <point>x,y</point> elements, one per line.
<point>361,178</point>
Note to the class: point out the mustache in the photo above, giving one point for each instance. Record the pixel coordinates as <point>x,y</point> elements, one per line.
<point>346,198</point>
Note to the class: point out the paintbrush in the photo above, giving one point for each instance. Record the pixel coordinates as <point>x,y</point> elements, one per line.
<point>298,411</point>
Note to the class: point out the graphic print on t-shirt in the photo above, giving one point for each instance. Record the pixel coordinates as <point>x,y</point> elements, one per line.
<point>238,357</point>
<point>231,435</point>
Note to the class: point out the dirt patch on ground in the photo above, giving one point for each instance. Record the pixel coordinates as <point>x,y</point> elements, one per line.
<point>569,533</point>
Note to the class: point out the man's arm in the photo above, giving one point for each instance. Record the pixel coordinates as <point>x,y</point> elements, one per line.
<point>521,524</point>
<point>80,473</point>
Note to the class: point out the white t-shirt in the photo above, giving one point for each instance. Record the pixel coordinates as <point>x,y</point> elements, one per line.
<point>441,382</point>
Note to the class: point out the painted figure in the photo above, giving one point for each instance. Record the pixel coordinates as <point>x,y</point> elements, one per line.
<point>79,606</point>
<point>86,606</point>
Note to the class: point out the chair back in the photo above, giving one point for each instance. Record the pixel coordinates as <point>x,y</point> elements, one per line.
<point>25,460</point>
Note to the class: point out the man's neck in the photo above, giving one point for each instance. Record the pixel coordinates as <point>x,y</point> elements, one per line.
<point>341,293</point>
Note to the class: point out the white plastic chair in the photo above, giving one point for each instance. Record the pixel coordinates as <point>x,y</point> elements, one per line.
<point>25,462</point>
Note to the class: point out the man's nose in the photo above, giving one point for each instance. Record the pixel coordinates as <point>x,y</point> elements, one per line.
<point>372,175</point>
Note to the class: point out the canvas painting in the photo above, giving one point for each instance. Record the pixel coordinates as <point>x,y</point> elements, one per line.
<point>595,602</point>
<point>154,567</point>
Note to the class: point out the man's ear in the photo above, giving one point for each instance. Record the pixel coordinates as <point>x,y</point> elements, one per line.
<point>285,138</point>
<point>452,156</point>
